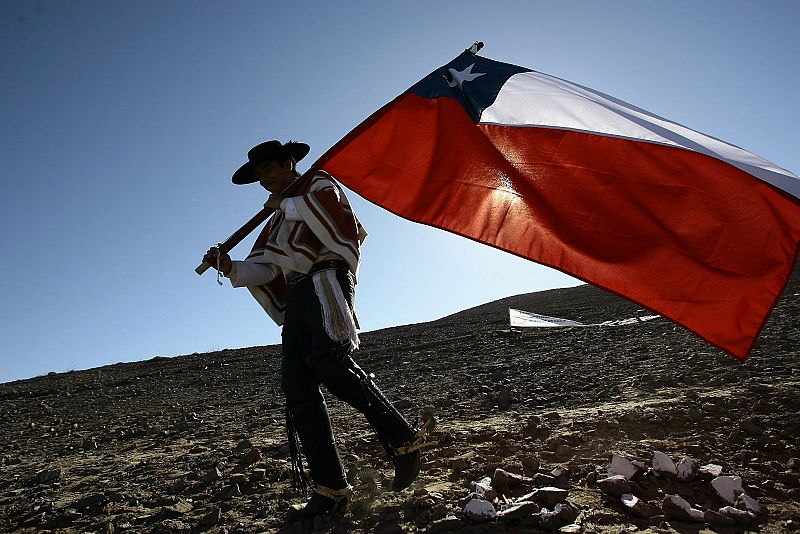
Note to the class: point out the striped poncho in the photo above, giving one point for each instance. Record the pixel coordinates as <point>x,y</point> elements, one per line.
<point>328,229</point>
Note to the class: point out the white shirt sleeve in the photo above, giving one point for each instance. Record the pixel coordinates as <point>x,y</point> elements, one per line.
<point>290,211</point>
<point>248,273</point>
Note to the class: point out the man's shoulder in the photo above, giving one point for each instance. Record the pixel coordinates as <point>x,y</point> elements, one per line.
<point>322,180</point>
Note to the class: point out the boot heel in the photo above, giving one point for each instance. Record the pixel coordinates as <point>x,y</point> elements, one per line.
<point>323,502</point>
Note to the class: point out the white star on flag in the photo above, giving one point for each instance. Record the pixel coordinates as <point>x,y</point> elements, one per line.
<point>461,76</point>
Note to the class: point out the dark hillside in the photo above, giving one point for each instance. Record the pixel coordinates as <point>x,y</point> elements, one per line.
<point>196,443</point>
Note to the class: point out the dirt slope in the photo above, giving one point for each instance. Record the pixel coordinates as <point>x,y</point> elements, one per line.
<point>196,443</point>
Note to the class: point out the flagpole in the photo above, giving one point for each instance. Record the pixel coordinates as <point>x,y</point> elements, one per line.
<point>237,236</point>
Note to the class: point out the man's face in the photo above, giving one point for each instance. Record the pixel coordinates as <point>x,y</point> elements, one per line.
<point>274,176</point>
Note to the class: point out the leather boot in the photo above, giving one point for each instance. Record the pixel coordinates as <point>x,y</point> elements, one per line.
<point>323,502</point>
<point>406,470</point>
<point>406,458</point>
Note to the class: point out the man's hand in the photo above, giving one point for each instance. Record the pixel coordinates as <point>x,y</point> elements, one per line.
<point>224,260</point>
<point>274,202</point>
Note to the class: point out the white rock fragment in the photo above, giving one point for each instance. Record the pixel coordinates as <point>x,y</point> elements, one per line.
<point>663,463</point>
<point>742,517</point>
<point>629,499</point>
<point>518,510</point>
<point>545,513</point>
<point>634,505</point>
<point>676,503</point>
<point>621,466</point>
<point>712,470</point>
<point>479,510</point>
<point>550,520</point>
<point>697,515</point>
<point>746,502</point>
<point>562,514</point>
<point>687,468</point>
<point>482,486</point>
<point>728,487</point>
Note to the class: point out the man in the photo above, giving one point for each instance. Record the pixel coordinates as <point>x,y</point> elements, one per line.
<point>302,270</point>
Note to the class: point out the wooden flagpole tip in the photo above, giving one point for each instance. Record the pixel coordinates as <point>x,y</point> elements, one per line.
<point>476,46</point>
<point>203,267</point>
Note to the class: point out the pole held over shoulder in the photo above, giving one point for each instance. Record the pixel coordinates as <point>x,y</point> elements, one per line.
<point>248,227</point>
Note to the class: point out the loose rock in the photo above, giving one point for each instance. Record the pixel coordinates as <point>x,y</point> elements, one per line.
<point>677,507</point>
<point>503,480</point>
<point>251,456</point>
<point>663,463</point>
<point>742,517</point>
<point>710,471</point>
<point>88,501</point>
<point>636,506</point>
<point>484,488</point>
<point>728,488</point>
<point>212,475</point>
<point>716,518</point>
<point>540,479</point>
<point>504,398</point>
<point>519,510</point>
<point>211,518</point>
<point>238,478</point>
<point>547,496</point>
<point>621,466</point>
<point>562,514</point>
<point>479,510</point>
<point>47,475</point>
<point>687,468</point>
<point>615,485</point>
<point>243,445</point>
<point>751,427</point>
<point>746,502</point>
<point>230,492</point>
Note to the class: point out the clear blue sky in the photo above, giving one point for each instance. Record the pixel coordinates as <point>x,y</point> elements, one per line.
<point>123,121</point>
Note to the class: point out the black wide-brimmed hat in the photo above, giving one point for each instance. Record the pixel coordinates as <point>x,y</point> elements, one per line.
<point>268,151</point>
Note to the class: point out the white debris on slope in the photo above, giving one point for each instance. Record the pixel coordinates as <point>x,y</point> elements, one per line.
<point>478,509</point>
<point>663,463</point>
<point>744,501</point>
<point>526,319</point>
<point>621,466</point>
<point>728,487</point>
<point>683,505</point>
<point>687,468</point>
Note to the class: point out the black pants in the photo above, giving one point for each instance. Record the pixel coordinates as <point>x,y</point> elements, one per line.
<point>311,358</point>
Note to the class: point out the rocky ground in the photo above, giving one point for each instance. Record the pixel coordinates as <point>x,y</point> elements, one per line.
<point>196,443</point>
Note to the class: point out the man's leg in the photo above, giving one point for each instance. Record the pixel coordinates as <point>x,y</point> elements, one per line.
<point>331,363</point>
<point>308,415</point>
<point>307,408</point>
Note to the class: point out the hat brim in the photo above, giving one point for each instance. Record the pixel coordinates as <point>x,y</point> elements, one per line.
<point>246,173</point>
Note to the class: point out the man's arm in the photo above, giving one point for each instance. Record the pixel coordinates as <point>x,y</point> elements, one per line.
<point>250,273</point>
<point>241,273</point>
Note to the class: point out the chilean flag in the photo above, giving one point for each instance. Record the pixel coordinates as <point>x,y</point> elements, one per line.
<point>698,230</point>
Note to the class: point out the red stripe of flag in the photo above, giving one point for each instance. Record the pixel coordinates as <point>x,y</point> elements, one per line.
<point>679,232</point>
